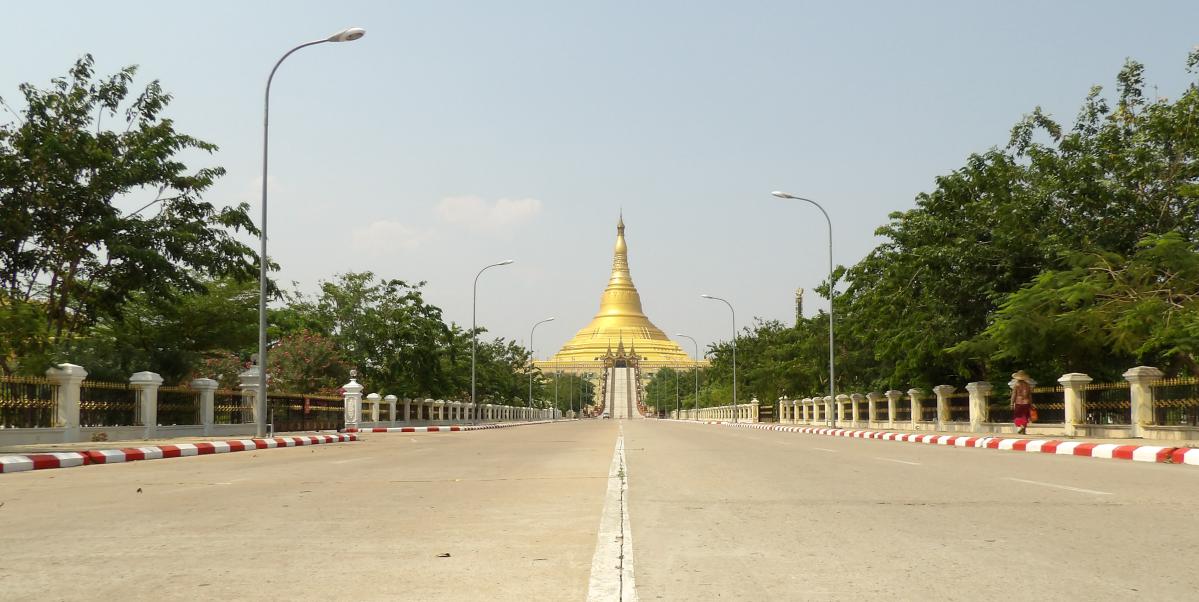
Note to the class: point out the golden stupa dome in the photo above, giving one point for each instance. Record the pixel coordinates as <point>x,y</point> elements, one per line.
<point>621,320</point>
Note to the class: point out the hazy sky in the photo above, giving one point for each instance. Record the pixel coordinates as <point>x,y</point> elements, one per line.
<point>456,134</point>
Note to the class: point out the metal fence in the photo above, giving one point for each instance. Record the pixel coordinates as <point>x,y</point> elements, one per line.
<point>178,406</point>
<point>903,409</point>
<point>308,412</point>
<point>108,404</point>
<point>1107,403</point>
<point>1050,404</point>
<point>1176,402</point>
<point>229,407</point>
<point>959,406</point>
<point>27,402</point>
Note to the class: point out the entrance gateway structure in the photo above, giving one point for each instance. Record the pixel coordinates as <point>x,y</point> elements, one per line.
<point>621,348</point>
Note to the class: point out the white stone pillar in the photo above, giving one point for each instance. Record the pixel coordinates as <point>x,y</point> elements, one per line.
<point>391,408</point>
<point>1140,391</point>
<point>828,409</point>
<point>373,399</point>
<point>68,377</point>
<point>917,397</point>
<point>872,409</point>
<point>207,389</point>
<point>1074,400</point>
<point>943,392</point>
<point>146,385</point>
<point>842,400</point>
<point>352,401</point>
<point>248,383</point>
<point>893,399</point>
<point>856,399</point>
<point>428,409</point>
<point>979,392</point>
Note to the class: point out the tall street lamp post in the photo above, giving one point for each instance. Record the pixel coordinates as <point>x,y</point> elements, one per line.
<point>734,314</point>
<point>474,334</point>
<point>531,356</point>
<point>831,291</point>
<point>696,368</point>
<point>345,35</point>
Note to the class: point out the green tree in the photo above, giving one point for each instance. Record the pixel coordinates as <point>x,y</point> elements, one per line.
<point>68,256</point>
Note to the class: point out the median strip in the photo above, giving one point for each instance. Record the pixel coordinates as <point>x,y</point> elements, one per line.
<point>1108,451</point>
<point>21,463</point>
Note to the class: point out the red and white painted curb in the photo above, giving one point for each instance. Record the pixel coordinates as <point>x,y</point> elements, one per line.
<point>1107,451</point>
<point>444,429</point>
<point>132,454</point>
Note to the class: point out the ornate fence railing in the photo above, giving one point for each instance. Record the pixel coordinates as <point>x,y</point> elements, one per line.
<point>309,412</point>
<point>178,406</point>
<point>108,404</point>
<point>1107,403</point>
<point>27,402</point>
<point>959,406</point>
<point>1050,404</point>
<point>1176,402</point>
<point>903,409</point>
<point>231,407</point>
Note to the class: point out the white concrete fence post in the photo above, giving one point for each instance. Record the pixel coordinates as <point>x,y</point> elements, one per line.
<point>146,385</point>
<point>872,399</point>
<point>207,390</point>
<point>943,392</point>
<point>979,392</point>
<point>68,378</point>
<point>856,400</point>
<point>842,401</point>
<point>352,401</point>
<point>1074,400</point>
<point>248,382</point>
<point>373,399</point>
<point>391,407</point>
<point>1140,393</point>
<point>917,397</point>
<point>828,409</point>
<point>893,398</point>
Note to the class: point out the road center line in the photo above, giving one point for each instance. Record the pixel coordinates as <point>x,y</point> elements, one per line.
<point>612,564</point>
<point>350,460</point>
<point>899,461</point>
<point>1066,487</point>
<point>825,449</point>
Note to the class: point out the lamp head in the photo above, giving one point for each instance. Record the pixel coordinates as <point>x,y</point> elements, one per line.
<point>783,195</point>
<point>347,35</point>
<point>706,296</point>
<point>507,262</point>
<point>549,319</point>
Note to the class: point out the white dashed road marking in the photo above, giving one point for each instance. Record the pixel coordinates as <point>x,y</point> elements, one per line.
<point>1066,487</point>
<point>899,461</point>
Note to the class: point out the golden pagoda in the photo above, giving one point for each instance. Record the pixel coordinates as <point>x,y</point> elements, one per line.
<point>621,323</point>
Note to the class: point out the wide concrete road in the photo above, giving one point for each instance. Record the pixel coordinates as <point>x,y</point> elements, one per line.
<point>716,513</point>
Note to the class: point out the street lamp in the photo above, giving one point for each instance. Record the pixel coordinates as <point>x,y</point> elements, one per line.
<point>693,342</point>
<point>474,333</point>
<point>345,35</point>
<point>734,312</point>
<point>531,356</point>
<point>831,290</point>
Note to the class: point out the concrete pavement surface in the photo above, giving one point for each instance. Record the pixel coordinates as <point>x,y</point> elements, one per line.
<point>715,513</point>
